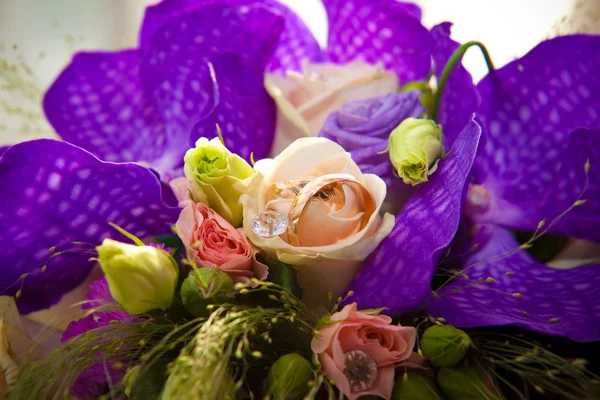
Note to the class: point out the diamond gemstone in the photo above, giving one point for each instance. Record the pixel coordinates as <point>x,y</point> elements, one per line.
<point>360,369</point>
<point>269,224</point>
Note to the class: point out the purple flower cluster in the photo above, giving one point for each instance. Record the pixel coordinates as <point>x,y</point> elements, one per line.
<point>517,145</point>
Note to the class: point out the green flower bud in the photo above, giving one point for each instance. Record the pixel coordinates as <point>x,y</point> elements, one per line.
<point>415,149</point>
<point>467,383</point>
<point>140,278</point>
<point>415,386</point>
<point>288,378</point>
<point>130,378</point>
<point>426,99</point>
<point>204,286</point>
<point>215,171</point>
<point>444,345</point>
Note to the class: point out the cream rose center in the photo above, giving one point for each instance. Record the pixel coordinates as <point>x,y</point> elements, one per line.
<point>333,214</point>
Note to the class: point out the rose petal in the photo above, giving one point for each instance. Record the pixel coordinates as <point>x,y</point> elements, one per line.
<point>385,32</point>
<point>550,301</point>
<point>398,273</point>
<point>53,193</point>
<point>460,99</point>
<point>530,107</point>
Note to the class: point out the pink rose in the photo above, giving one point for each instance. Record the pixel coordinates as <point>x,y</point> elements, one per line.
<point>210,241</point>
<point>360,351</point>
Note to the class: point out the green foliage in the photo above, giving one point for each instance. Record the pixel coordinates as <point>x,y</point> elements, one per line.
<point>288,378</point>
<point>284,275</point>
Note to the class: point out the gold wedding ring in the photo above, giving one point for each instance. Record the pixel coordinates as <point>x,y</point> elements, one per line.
<point>329,188</point>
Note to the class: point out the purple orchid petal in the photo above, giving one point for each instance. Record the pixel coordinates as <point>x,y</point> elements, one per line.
<point>53,193</point>
<point>296,42</point>
<point>98,103</point>
<point>574,183</point>
<point>530,107</point>
<point>459,100</point>
<point>245,112</point>
<point>379,31</point>
<point>3,149</point>
<point>238,43</point>
<point>412,9</point>
<point>521,292</point>
<point>363,128</point>
<point>398,273</point>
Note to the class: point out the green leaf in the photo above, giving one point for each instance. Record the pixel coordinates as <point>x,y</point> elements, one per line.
<point>149,385</point>
<point>285,276</point>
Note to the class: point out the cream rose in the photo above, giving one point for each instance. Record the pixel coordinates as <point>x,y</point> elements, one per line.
<point>306,99</point>
<point>331,241</point>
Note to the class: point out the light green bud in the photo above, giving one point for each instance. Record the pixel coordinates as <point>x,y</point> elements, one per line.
<point>415,148</point>
<point>204,286</point>
<point>140,278</point>
<point>445,345</point>
<point>288,377</point>
<point>467,383</point>
<point>215,171</point>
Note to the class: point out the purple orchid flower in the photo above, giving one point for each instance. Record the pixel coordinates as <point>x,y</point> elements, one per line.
<point>197,58</point>
<point>543,123</point>
<point>52,194</point>
<point>529,169</point>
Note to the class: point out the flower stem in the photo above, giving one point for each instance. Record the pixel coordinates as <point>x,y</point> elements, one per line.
<point>454,59</point>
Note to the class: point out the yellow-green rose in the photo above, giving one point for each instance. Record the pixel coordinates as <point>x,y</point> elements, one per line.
<point>215,171</point>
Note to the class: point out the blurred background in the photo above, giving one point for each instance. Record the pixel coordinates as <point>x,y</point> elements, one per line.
<point>38,38</point>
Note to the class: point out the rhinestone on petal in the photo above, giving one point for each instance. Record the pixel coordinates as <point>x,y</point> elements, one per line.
<point>269,224</point>
<point>360,369</point>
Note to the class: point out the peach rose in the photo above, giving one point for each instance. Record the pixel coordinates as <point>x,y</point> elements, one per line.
<point>353,343</point>
<point>210,241</point>
<point>332,239</point>
<point>305,99</point>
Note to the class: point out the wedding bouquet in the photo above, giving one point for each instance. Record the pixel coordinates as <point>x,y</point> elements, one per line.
<point>276,220</point>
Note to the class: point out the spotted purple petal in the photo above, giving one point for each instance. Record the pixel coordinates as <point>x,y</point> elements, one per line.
<point>238,44</point>
<point>381,31</point>
<point>98,103</point>
<point>363,128</point>
<point>530,107</point>
<point>459,100</point>
<point>53,193</point>
<point>296,42</point>
<point>520,291</point>
<point>575,184</point>
<point>398,273</point>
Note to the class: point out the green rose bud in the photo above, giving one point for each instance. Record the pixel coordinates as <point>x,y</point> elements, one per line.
<point>215,171</point>
<point>467,383</point>
<point>444,345</point>
<point>426,98</point>
<point>415,149</point>
<point>204,286</point>
<point>415,386</point>
<point>140,278</point>
<point>288,378</point>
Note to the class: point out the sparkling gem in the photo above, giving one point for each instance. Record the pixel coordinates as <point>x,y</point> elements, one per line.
<point>360,369</point>
<point>269,224</point>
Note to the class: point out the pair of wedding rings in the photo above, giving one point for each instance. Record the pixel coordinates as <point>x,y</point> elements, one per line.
<point>328,188</point>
